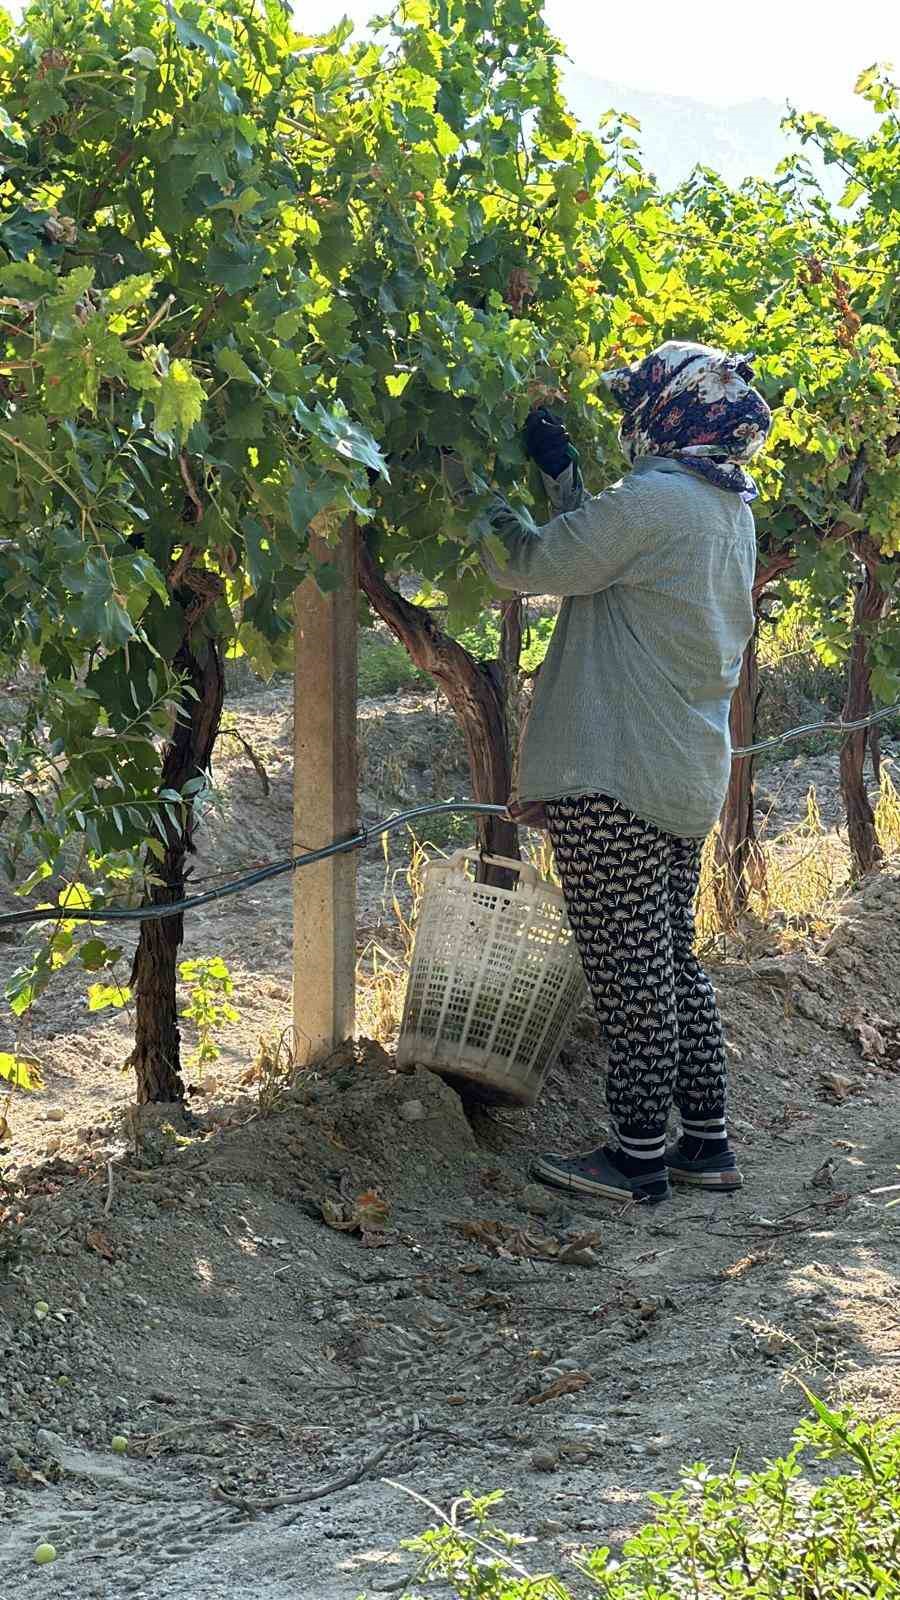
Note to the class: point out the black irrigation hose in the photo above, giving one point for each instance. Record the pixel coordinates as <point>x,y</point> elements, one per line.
<point>833,725</point>
<point>277,869</point>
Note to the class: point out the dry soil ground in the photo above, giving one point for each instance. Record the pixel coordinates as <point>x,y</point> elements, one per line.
<point>174,1280</point>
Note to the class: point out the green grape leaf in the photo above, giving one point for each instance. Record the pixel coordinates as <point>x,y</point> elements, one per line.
<point>95,954</point>
<point>188,33</point>
<point>25,280</point>
<point>232,363</point>
<point>9,129</point>
<point>237,268</point>
<point>344,437</point>
<point>306,498</point>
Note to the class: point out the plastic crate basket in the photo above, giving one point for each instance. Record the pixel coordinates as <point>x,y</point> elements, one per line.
<point>495,980</point>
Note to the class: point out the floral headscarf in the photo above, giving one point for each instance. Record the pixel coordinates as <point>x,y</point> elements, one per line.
<point>695,405</point>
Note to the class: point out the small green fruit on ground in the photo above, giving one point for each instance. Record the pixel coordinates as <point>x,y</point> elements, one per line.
<point>44,1554</point>
<point>119,1444</point>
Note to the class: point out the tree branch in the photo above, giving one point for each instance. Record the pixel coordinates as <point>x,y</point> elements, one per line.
<point>126,156</point>
<point>474,689</point>
<point>190,335</point>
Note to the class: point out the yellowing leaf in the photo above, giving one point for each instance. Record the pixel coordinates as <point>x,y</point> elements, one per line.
<point>132,291</point>
<point>103,995</point>
<point>20,1071</point>
<point>179,402</point>
<point>76,897</point>
<point>445,139</point>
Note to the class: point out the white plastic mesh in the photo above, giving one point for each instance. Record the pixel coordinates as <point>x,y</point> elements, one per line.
<point>495,979</point>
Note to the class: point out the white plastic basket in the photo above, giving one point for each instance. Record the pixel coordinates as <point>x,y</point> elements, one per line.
<point>495,980</point>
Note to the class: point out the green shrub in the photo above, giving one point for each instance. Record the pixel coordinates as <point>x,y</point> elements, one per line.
<point>210,988</point>
<point>385,668</point>
<point>765,1535</point>
<point>483,639</point>
<point>444,833</point>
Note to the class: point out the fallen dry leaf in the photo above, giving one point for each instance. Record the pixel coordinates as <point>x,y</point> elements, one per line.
<point>372,1211</point>
<point>481,1232</point>
<point>756,1258</point>
<point>510,1243</point>
<point>569,1383</point>
<point>338,1214</point>
<point>367,1214</point>
<point>580,1252</point>
<point>505,1240</point>
<point>529,1246</point>
<point>838,1087</point>
<point>491,1302</point>
<point>97,1241</point>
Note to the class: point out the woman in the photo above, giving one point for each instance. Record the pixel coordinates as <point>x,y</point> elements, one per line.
<point>627,744</point>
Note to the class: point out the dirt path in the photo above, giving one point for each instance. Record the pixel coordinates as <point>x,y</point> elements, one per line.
<point>200,1304</point>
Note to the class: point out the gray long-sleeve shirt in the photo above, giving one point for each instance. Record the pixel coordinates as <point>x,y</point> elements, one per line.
<point>633,698</point>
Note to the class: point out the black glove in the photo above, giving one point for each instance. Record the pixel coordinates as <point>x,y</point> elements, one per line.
<point>547,442</point>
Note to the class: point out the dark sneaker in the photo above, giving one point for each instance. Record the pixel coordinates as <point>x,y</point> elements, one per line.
<point>704,1172</point>
<point>596,1174</point>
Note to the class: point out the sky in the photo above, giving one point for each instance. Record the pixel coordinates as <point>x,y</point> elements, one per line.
<point>808,51</point>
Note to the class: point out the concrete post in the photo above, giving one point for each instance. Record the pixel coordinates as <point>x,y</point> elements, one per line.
<point>325,803</point>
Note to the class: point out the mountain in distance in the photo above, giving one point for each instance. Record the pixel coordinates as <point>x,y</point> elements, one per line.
<point>677,133</point>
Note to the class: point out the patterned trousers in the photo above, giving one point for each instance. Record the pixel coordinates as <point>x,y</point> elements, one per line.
<point>630,892</point>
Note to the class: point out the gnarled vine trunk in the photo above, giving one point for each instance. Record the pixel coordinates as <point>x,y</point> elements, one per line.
<point>156,1055</point>
<point>738,857</point>
<point>869,608</point>
<point>476,691</point>
<point>737,853</point>
<point>512,632</point>
<point>511,636</point>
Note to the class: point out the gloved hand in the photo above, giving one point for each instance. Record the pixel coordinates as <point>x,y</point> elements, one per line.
<point>456,479</point>
<point>547,442</point>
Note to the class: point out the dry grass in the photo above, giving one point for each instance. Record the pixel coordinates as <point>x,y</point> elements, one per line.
<point>273,1073</point>
<point>801,878</point>
<point>380,992</point>
<point>708,924</point>
<point>381,973</point>
<point>805,871</point>
<point>804,874</point>
<point>538,850</point>
<point>887,815</point>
